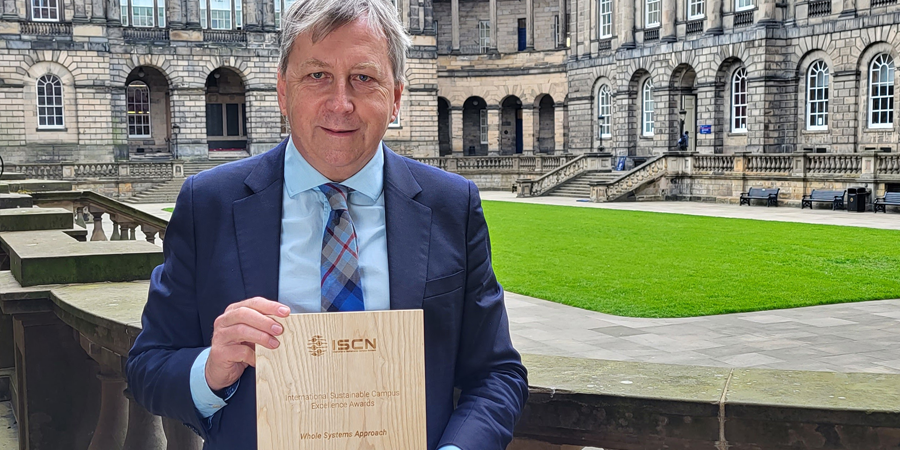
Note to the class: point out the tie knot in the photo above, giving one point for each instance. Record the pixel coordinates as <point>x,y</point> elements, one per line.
<point>336,195</point>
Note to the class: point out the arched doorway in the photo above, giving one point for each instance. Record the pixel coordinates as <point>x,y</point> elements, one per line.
<point>511,126</point>
<point>546,124</point>
<point>148,114</point>
<point>475,127</point>
<point>226,111</point>
<point>444,142</point>
<point>683,106</point>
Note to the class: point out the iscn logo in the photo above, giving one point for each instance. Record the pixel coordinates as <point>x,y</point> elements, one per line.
<point>318,345</point>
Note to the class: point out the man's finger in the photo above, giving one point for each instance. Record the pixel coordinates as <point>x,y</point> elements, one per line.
<point>251,317</point>
<point>238,333</point>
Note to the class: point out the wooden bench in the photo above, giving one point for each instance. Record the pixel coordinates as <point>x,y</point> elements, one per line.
<point>890,198</point>
<point>770,195</point>
<point>836,198</point>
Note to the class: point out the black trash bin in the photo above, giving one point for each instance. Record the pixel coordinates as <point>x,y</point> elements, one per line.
<point>857,199</point>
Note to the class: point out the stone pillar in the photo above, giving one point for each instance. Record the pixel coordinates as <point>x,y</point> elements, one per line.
<point>529,25</point>
<point>193,17</point>
<point>626,30</point>
<point>714,17</point>
<point>189,112</point>
<point>706,115</point>
<point>493,6</point>
<point>179,437</point>
<point>145,431</point>
<point>10,10</point>
<point>559,132</point>
<point>528,129</point>
<point>98,11</point>
<point>562,24</point>
<point>251,15</point>
<point>114,13</point>
<point>111,426</point>
<point>493,130</point>
<point>766,13</point>
<point>454,25</point>
<point>174,14</point>
<point>456,131</point>
<point>98,234</point>
<point>115,233</point>
<point>80,13</point>
<point>849,9</point>
<point>268,10</point>
<point>668,21</point>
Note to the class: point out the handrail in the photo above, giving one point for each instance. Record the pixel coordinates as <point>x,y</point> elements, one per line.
<point>558,176</point>
<point>106,204</point>
<point>652,169</point>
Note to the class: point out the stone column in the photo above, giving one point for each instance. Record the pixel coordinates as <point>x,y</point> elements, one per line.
<point>529,25</point>
<point>527,129</point>
<point>454,25</point>
<point>10,10</point>
<point>849,9</point>
<point>626,30</point>
<point>706,115</point>
<point>98,11</point>
<point>145,431</point>
<point>268,10</point>
<point>493,130</point>
<point>668,21</point>
<point>714,17</point>
<point>493,6</point>
<point>114,13</point>
<point>559,113</point>
<point>98,234</point>
<point>149,233</point>
<point>456,130</point>
<point>251,15</point>
<point>189,112</point>
<point>174,14</point>
<point>115,233</point>
<point>193,17</point>
<point>562,24</point>
<point>111,426</point>
<point>179,437</point>
<point>80,13</point>
<point>766,13</point>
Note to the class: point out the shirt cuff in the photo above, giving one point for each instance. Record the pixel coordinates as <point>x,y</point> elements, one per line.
<point>449,447</point>
<point>205,400</point>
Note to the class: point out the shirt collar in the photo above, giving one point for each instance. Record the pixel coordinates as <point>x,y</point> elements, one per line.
<point>300,176</point>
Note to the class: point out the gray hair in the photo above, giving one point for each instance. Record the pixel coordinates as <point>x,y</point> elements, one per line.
<point>321,17</point>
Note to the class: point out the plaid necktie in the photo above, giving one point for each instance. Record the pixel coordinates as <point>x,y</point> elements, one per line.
<point>341,290</point>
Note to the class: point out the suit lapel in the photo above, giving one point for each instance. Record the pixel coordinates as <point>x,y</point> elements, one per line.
<point>408,225</point>
<point>257,225</point>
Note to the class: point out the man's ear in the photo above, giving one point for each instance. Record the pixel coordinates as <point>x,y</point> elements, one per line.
<point>281,88</point>
<point>398,94</point>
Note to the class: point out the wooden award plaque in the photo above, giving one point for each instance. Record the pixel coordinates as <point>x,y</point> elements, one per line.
<point>343,381</point>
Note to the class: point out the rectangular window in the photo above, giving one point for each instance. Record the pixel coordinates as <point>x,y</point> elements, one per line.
<point>220,14</point>
<point>214,125</point>
<point>695,9</point>
<point>232,119</point>
<point>161,13</point>
<point>45,10</point>
<point>484,36</point>
<point>238,14</point>
<point>123,7</point>
<point>605,19</point>
<point>484,127</point>
<point>653,13</point>
<point>203,15</point>
<point>138,110</point>
<point>741,5</point>
<point>142,13</point>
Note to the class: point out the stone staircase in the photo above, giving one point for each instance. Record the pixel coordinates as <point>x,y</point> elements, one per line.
<point>167,192</point>
<point>580,186</point>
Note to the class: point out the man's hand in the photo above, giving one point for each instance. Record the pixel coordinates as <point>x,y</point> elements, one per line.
<point>236,332</point>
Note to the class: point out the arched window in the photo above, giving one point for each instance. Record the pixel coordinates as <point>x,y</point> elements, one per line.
<point>50,102</point>
<point>603,111</point>
<point>881,92</point>
<point>739,101</point>
<point>817,97</point>
<point>647,116</point>
<point>138,95</point>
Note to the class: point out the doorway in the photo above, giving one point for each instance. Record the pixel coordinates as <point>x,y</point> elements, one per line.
<point>689,104</point>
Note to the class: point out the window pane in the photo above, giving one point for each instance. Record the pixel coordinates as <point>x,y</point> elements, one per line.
<point>214,125</point>
<point>220,14</point>
<point>653,12</point>
<point>232,120</point>
<point>161,13</point>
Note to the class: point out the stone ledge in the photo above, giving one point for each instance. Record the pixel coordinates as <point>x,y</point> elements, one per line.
<point>37,185</point>
<point>8,201</point>
<point>34,219</point>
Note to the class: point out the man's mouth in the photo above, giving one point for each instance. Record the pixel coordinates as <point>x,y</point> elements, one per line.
<point>337,131</point>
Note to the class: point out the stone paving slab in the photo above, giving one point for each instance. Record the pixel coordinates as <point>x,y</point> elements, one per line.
<point>850,337</point>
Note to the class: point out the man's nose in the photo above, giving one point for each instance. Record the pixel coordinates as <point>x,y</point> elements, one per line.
<point>341,100</point>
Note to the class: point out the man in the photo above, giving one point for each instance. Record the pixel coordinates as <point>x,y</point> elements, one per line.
<point>249,242</point>
<point>683,141</point>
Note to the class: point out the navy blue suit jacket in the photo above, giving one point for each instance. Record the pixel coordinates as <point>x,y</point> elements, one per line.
<point>222,246</point>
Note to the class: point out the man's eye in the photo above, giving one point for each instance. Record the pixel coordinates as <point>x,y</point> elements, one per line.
<point>364,78</point>
<point>317,75</point>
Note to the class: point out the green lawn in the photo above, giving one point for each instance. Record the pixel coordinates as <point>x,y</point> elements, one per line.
<point>168,209</point>
<point>668,265</point>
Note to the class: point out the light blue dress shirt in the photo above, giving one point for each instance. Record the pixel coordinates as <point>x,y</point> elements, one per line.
<point>304,218</point>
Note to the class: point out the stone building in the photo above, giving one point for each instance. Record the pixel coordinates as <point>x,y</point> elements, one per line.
<point>98,80</point>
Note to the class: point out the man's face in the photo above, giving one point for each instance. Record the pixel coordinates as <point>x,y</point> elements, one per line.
<point>339,96</point>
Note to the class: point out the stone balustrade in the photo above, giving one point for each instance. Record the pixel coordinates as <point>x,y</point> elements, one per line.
<point>512,164</point>
<point>157,171</point>
<point>64,338</point>
<point>565,172</point>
